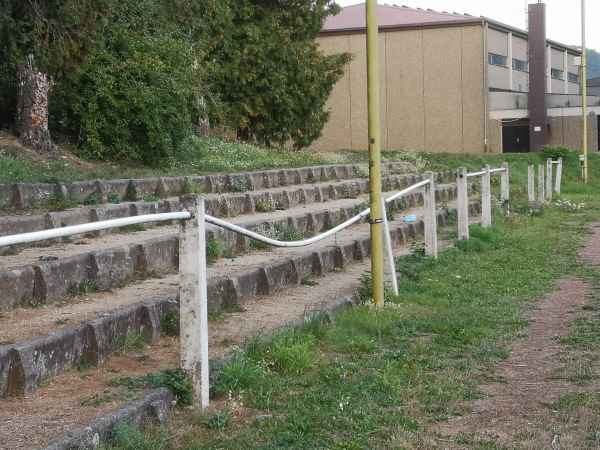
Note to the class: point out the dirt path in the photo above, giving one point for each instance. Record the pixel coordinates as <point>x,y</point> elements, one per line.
<point>518,413</point>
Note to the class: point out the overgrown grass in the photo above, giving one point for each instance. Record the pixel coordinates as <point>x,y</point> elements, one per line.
<point>379,378</point>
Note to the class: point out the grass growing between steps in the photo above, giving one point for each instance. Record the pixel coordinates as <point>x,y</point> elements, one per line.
<point>381,378</point>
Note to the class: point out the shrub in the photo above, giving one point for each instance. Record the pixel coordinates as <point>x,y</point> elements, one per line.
<point>555,152</point>
<point>136,96</point>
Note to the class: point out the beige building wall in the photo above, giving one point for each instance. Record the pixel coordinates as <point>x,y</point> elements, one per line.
<point>431,88</point>
<point>339,103</point>
<point>404,100</point>
<point>494,137</point>
<point>568,131</point>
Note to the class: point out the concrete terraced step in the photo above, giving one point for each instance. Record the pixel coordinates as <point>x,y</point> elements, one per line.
<point>29,362</point>
<point>24,365</point>
<point>25,196</point>
<point>218,205</point>
<point>49,281</point>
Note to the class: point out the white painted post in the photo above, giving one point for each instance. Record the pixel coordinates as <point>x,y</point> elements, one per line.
<point>541,184</point>
<point>504,186</point>
<point>463,203</point>
<point>193,304</point>
<point>486,198</point>
<point>430,216</point>
<point>388,243</point>
<point>531,183</point>
<point>549,179</point>
<point>558,175</point>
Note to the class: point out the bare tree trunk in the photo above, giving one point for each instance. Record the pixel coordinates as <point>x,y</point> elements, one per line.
<point>32,108</point>
<point>203,122</point>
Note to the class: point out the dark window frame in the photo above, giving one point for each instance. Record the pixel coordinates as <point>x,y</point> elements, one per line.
<point>557,74</point>
<point>517,62</point>
<point>572,77</point>
<point>497,60</point>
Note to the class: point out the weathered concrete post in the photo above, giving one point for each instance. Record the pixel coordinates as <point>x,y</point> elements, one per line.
<point>463,203</point>
<point>541,183</point>
<point>549,179</point>
<point>388,244</point>
<point>486,198</point>
<point>504,184</point>
<point>531,183</point>
<point>193,307</point>
<point>430,216</point>
<point>558,176</point>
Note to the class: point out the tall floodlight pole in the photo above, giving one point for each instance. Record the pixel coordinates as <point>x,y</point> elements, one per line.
<point>584,92</point>
<point>374,153</point>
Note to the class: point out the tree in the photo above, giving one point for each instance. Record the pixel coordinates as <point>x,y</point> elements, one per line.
<point>52,35</point>
<point>137,97</point>
<point>266,69</point>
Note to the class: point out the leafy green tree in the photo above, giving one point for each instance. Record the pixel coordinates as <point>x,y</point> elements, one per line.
<point>268,76</point>
<point>137,96</point>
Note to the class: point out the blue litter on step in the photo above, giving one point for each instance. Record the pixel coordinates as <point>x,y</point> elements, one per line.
<point>410,218</point>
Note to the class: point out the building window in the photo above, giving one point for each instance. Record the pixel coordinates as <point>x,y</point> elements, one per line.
<point>573,77</point>
<point>497,60</point>
<point>556,74</point>
<point>519,65</point>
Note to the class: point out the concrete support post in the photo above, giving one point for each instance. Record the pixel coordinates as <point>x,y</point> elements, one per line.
<point>486,198</point>
<point>541,183</point>
<point>531,183</point>
<point>463,203</point>
<point>430,217</point>
<point>549,179</point>
<point>558,175</point>
<point>193,307</point>
<point>388,244</point>
<point>504,184</point>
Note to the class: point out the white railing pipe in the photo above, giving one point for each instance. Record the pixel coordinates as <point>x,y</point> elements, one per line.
<point>408,190</point>
<point>89,227</point>
<point>388,244</point>
<point>531,183</point>
<point>486,198</point>
<point>541,184</point>
<point>504,184</point>
<point>462,216</point>
<point>193,298</point>
<point>430,217</point>
<point>549,179</point>
<point>559,167</point>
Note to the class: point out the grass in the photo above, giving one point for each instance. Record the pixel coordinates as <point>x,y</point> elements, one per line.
<point>380,378</point>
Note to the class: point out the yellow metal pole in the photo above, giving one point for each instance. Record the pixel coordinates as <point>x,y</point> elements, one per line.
<point>374,153</point>
<point>584,92</point>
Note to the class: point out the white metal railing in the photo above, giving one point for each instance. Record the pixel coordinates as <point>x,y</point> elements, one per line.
<point>193,298</point>
<point>544,180</point>
<point>486,196</point>
<point>89,227</point>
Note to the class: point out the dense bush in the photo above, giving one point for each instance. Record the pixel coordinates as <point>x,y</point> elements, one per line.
<point>556,151</point>
<point>136,98</point>
<point>130,73</point>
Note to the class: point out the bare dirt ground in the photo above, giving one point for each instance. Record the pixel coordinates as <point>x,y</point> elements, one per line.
<point>518,413</point>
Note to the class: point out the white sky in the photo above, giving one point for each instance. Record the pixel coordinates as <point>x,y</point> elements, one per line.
<point>563,17</point>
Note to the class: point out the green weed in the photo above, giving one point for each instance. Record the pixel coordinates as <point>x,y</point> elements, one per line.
<point>238,374</point>
<point>60,202</point>
<point>133,228</point>
<point>265,205</point>
<point>170,324</point>
<point>129,342</point>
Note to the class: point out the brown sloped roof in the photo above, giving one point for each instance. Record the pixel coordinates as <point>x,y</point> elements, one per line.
<point>354,18</point>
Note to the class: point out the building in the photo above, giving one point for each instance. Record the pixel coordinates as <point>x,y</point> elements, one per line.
<point>456,83</point>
